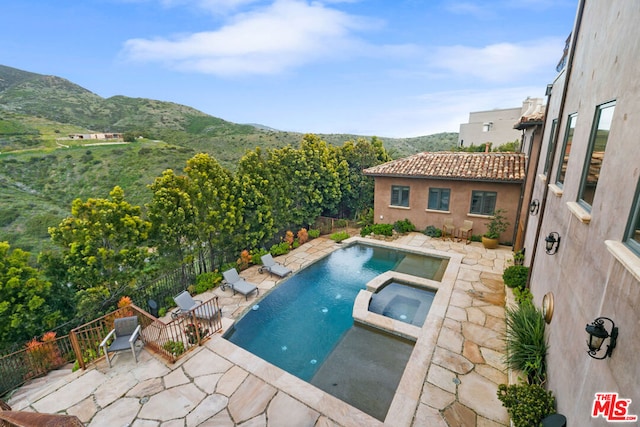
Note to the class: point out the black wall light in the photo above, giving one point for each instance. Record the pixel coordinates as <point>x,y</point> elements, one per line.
<point>534,207</point>
<point>597,335</point>
<point>552,241</point>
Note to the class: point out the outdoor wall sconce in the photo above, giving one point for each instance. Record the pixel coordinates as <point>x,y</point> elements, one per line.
<point>534,207</point>
<point>552,241</point>
<point>597,335</point>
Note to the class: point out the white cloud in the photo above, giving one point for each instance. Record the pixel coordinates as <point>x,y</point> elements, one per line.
<point>469,8</point>
<point>501,62</point>
<point>267,40</point>
<point>444,111</point>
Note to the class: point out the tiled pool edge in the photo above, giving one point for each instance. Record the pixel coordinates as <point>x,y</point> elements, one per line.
<point>407,398</point>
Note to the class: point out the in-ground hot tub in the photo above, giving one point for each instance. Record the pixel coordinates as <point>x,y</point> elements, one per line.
<point>402,302</point>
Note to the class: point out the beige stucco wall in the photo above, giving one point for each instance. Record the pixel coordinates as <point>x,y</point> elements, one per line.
<point>589,277</point>
<point>421,217</point>
<point>502,130</point>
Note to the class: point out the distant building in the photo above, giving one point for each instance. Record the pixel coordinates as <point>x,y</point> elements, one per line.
<point>100,136</point>
<point>496,126</point>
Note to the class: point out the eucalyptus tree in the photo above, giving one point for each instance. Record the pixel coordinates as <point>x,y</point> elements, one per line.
<point>256,186</point>
<point>104,248</point>
<point>218,205</point>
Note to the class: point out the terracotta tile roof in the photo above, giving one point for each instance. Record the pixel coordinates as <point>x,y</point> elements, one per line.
<point>453,165</point>
<point>536,118</point>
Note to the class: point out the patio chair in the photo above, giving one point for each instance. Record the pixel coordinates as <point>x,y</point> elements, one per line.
<point>238,284</point>
<point>186,305</point>
<point>465,232</point>
<point>448,229</point>
<point>126,331</point>
<point>270,265</point>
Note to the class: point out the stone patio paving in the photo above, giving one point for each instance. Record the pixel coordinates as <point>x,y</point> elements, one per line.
<point>220,384</point>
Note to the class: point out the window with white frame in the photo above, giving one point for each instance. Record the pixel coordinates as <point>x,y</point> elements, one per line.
<point>632,238</point>
<point>483,202</point>
<point>595,153</point>
<point>400,195</point>
<point>566,149</point>
<point>439,199</point>
<point>486,127</point>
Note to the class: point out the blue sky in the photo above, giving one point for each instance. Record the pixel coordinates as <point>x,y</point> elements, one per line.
<point>393,68</point>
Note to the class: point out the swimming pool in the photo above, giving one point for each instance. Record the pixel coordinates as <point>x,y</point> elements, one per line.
<point>297,325</point>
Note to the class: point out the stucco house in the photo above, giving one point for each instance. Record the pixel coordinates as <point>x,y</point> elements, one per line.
<point>429,187</point>
<point>496,126</point>
<point>586,186</point>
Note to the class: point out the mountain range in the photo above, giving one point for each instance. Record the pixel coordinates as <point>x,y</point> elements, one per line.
<point>42,170</point>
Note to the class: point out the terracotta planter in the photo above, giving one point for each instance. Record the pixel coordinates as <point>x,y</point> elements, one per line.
<point>489,243</point>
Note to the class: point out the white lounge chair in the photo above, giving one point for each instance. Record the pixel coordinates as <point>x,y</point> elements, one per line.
<point>238,284</point>
<point>186,304</point>
<point>270,265</point>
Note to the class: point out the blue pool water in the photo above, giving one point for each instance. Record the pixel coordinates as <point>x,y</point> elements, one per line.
<point>297,325</point>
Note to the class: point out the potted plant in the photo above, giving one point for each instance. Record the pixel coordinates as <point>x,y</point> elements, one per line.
<point>496,226</point>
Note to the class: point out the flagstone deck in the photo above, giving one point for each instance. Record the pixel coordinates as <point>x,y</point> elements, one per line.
<point>220,384</point>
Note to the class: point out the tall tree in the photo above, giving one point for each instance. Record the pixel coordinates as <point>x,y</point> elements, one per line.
<point>173,216</point>
<point>27,301</point>
<point>217,203</point>
<point>255,183</point>
<point>359,155</point>
<point>102,248</point>
<point>309,178</point>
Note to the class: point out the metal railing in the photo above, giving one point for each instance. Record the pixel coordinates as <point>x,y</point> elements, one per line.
<point>170,340</point>
<point>36,359</point>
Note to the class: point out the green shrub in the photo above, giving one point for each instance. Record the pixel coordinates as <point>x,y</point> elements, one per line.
<point>404,226</point>
<point>366,230</point>
<point>382,229</point>
<point>526,346</point>
<point>515,276</point>
<point>280,248</point>
<point>365,217</point>
<point>162,311</point>
<point>523,295</point>
<point>527,404</point>
<point>174,347</point>
<point>192,331</point>
<point>341,223</point>
<point>476,238</point>
<point>228,266</point>
<point>339,236</point>
<point>206,281</point>
<point>314,233</point>
<point>518,257</point>
<point>432,231</point>
<point>256,255</point>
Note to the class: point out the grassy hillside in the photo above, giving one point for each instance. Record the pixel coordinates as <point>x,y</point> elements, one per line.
<point>41,171</point>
